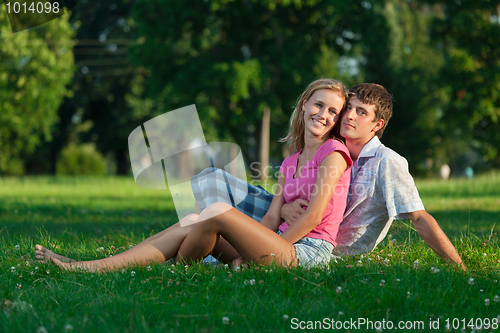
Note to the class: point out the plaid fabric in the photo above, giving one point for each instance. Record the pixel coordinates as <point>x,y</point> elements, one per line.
<point>215,185</point>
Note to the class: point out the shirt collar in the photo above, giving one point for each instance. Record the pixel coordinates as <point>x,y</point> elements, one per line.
<point>370,148</point>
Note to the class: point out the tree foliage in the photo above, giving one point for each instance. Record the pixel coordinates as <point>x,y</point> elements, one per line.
<point>468,33</point>
<point>37,65</point>
<point>234,59</point>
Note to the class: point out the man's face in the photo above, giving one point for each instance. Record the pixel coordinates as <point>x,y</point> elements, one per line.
<point>357,122</point>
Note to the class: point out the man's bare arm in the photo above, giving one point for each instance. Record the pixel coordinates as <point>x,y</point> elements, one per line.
<point>434,236</point>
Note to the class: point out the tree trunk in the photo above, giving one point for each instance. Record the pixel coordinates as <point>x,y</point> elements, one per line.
<point>264,144</point>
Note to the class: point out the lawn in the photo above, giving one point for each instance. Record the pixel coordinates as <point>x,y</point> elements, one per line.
<point>400,284</point>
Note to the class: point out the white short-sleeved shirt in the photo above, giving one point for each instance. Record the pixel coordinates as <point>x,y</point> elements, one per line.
<point>381,191</point>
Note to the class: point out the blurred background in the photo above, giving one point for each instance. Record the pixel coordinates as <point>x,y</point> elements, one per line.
<point>73,89</point>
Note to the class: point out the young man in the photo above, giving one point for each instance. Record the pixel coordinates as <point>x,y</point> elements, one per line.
<point>381,188</point>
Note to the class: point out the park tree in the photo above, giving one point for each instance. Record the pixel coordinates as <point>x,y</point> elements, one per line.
<point>36,66</point>
<point>103,78</point>
<point>396,52</point>
<point>468,33</point>
<point>235,59</point>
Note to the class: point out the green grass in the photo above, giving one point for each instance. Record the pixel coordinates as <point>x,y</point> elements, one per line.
<point>76,216</point>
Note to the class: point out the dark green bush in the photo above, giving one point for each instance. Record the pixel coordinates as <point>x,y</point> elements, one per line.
<point>82,159</point>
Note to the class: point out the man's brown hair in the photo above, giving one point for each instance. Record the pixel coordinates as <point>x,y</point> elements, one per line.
<point>374,94</point>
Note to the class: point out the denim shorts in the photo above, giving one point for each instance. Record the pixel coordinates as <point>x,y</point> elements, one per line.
<point>312,251</point>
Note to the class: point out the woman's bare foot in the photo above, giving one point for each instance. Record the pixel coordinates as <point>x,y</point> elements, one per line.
<point>45,255</point>
<point>60,264</point>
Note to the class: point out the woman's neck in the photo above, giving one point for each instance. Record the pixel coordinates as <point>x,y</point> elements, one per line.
<point>310,146</point>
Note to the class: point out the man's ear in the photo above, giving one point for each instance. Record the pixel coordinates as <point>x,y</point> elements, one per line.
<point>378,125</point>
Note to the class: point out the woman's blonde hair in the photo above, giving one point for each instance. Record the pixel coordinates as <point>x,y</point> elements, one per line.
<point>295,137</point>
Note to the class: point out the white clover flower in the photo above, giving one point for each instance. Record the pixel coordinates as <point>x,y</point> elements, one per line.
<point>132,273</point>
<point>252,282</point>
<point>123,271</point>
<point>496,298</point>
<point>225,320</point>
<point>480,290</point>
<point>68,328</point>
<point>408,294</point>
<point>390,254</point>
<point>47,271</point>
<point>338,290</point>
<point>416,263</point>
<point>149,268</point>
<point>398,280</point>
<point>245,282</point>
<point>340,313</point>
<point>237,268</point>
<point>285,317</point>
<point>494,281</point>
<point>378,257</point>
<point>226,266</point>
<point>471,281</point>
<point>435,270</point>
<point>17,247</point>
<point>130,246</point>
<point>370,259</point>
<point>18,286</point>
<point>28,263</point>
<point>386,261</point>
<point>487,302</point>
<point>360,263</point>
<point>41,329</point>
<point>484,254</point>
<point>36,268</point>
<point>12,269</point>
<point>266,271</point>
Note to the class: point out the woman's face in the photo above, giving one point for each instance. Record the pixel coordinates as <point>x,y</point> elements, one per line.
<point>321,112</point>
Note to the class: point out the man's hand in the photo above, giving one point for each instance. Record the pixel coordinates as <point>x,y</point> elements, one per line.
<point>291,212</point>
<point>434,236</point>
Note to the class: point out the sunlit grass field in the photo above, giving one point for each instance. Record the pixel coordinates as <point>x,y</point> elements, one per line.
<point>90,218</point>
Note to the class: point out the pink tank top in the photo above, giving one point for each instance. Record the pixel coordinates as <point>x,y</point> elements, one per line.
<point>304,186</point>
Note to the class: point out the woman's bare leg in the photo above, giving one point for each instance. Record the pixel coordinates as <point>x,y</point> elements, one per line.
<point>249,238</point>
<point>157,248</point>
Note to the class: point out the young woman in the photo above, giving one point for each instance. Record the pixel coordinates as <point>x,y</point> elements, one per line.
<point>318,170</point>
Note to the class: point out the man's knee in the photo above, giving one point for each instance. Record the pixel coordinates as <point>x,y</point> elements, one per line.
<point>214,210</point>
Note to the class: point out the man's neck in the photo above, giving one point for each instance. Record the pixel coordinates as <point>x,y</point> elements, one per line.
<point>355,146</point>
